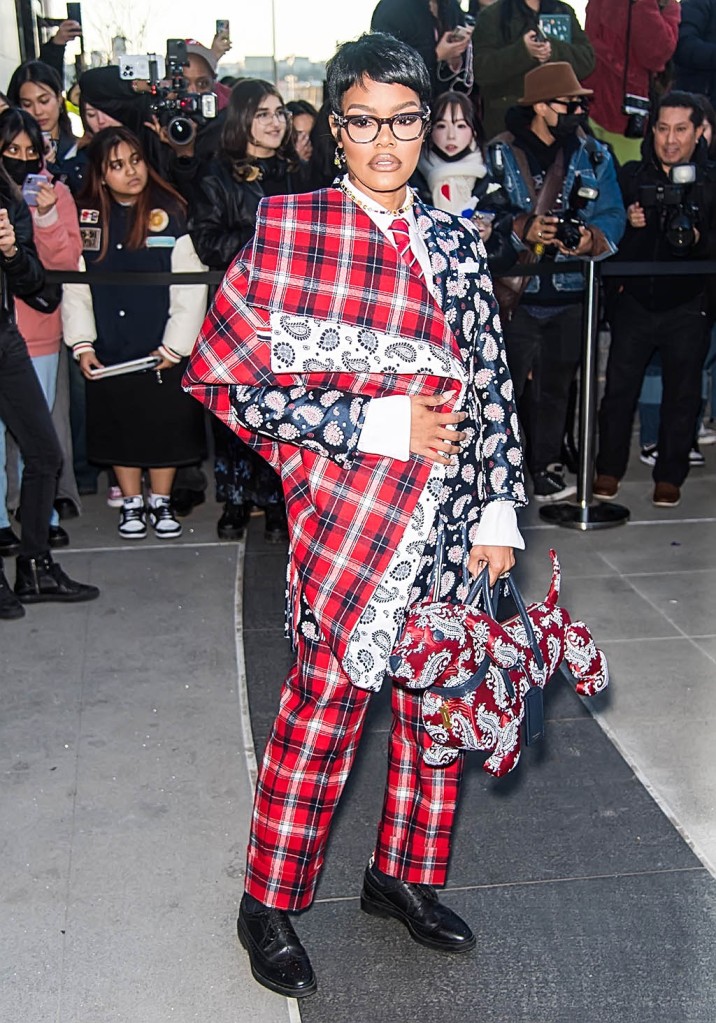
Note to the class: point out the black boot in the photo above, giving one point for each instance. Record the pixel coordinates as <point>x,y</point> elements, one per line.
<point>39,580</point>
<point>232,524</point>
<point>58,537</point>
<point>278,959</point>
<point>10,606</point>
<point>9,542</point>
<point>415,905</point>
<point>276,523</point>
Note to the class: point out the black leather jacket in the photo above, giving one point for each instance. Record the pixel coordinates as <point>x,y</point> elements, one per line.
<point>22,275</point>
<point>222,218</point>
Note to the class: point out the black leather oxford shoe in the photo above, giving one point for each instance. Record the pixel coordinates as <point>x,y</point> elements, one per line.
<point>278,959</point>
<point>429,922</point>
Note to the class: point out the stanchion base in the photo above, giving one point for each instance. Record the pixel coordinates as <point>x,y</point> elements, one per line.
<point>601,515</point>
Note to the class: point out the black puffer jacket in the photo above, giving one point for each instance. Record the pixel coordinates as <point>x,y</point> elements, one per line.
<point>222,218</point>
<point>650,244</point>
<point>412,22</point>
<point>22,275</point>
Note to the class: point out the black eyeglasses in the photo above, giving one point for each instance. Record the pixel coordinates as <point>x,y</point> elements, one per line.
<point>572,105</point>
<point>405,127</point>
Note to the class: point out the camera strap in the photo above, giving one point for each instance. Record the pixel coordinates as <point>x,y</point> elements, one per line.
<point>628,45</point>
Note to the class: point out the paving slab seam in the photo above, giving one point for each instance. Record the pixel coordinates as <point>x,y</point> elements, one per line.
<point>649,639</point>
<point>658,798</point>
<point>247,732</point>
<point>535,527</point>
<point>536,882</point>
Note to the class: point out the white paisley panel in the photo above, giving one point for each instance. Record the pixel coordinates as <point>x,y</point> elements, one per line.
<point>303,344</point>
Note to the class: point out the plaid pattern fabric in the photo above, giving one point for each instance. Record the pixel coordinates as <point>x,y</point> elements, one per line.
<point>319,255</point>
<point>305,766</point>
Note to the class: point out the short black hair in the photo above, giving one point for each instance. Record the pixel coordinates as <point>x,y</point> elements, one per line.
<point>381,57</point>
<point>687,101</point>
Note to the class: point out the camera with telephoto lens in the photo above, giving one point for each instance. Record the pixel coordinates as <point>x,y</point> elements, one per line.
<point>676,205</point>
<point>570,220</point>
<point>637,110</point>
<point>176,108</point>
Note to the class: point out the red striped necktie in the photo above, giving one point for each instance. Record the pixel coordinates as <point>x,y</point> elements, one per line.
<point>400,230</point>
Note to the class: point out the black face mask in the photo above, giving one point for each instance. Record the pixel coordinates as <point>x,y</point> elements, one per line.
<point>19,169</point>
<point>566,125</point>
<point>455,156</point>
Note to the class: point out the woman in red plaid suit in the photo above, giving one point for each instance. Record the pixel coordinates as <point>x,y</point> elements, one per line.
<point>356,345</point>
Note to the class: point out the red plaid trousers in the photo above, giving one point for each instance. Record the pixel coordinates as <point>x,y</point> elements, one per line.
<point>306,763</point>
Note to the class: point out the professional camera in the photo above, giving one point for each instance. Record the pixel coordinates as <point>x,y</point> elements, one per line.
<point>637,110</point>
<point>177,109</point>
<point>570,220</point>
<point>676,205</point>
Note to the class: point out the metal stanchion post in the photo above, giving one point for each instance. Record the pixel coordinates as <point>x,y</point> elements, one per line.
<point>584,514</point>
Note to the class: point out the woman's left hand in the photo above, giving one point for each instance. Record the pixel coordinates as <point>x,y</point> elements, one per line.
<point>46,198</point>
<point>8,244</point>
<point>499,559</point>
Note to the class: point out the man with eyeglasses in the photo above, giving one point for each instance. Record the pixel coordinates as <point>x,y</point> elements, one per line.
<point>543,160</point>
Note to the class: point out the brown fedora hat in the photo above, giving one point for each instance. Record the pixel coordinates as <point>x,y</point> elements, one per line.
<point>549,81</point>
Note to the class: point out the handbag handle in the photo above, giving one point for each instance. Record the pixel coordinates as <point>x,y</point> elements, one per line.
<point>481,586</point>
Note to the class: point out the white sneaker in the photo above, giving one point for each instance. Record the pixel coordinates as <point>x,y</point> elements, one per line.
<point>162,518</point>
<point>706,436</point>
<point>133,519</point>
<point>115,498</point>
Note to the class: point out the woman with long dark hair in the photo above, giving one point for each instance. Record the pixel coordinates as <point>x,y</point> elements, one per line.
<point>36,88</point>
<point>57,239</point>
<point>257,158</point>
<point>131,220</point>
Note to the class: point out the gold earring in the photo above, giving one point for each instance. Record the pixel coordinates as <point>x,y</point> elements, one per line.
<point>340,158</point>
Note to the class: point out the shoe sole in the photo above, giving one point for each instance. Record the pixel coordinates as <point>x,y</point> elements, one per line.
<point>133,536</point>
<point>52,598</point>
<point>555,498</point>
<point>168,536</point>
<point>381,909</point>
<point>279,989</point>
<point>665,504</point>
<point>605,497</point>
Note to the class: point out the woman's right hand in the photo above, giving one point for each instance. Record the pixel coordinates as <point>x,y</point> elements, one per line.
<point>8,244</point>
<point>89,361</point>
<point>540,50</point>
<point>429,433</point>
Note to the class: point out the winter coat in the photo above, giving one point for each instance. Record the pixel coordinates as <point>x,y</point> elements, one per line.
<point>59,246</point>
<point>412,22</point>
<point>654,33</point>
<point>502,59</point>
<point>223,215</point>
<point>695,57</point>
<point>22,275</point>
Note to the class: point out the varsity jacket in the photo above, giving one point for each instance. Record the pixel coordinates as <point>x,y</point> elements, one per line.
<point>314,319</point>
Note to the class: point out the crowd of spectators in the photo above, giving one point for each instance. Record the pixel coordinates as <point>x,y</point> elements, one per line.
<point>558,142</point>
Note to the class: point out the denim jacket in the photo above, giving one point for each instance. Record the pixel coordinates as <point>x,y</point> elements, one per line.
<point>594,162</point>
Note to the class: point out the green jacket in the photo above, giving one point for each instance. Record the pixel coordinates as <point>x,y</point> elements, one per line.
<point>501,63</point>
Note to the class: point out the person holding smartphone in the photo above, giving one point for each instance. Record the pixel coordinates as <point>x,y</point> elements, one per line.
<point>133,221</point>
<point>57,239</point>
<point>435,28</point>
<point>23,408</point>
<point>510,40</point>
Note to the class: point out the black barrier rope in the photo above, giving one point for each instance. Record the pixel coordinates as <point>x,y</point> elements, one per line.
<point>675,268</point>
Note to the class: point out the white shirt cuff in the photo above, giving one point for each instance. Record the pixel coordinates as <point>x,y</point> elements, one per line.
<point>498,527</point>
<point>46,219</point>
<point>386,427</point>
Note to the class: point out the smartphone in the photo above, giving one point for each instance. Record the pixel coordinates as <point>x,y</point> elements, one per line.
<point>455,36</point>
<point>31,187</point>
<point>74,13</point>
<point>222,28</point>
<point>50,147</point>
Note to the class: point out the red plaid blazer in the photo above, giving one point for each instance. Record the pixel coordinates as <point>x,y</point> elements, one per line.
<point>319,255</point>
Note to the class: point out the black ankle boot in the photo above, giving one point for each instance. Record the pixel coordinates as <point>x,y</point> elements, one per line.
<point>278,959</point>
<point>429,922</point>
<point>39,579</point>
<point>232,524</point>
<point>10,606</point>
